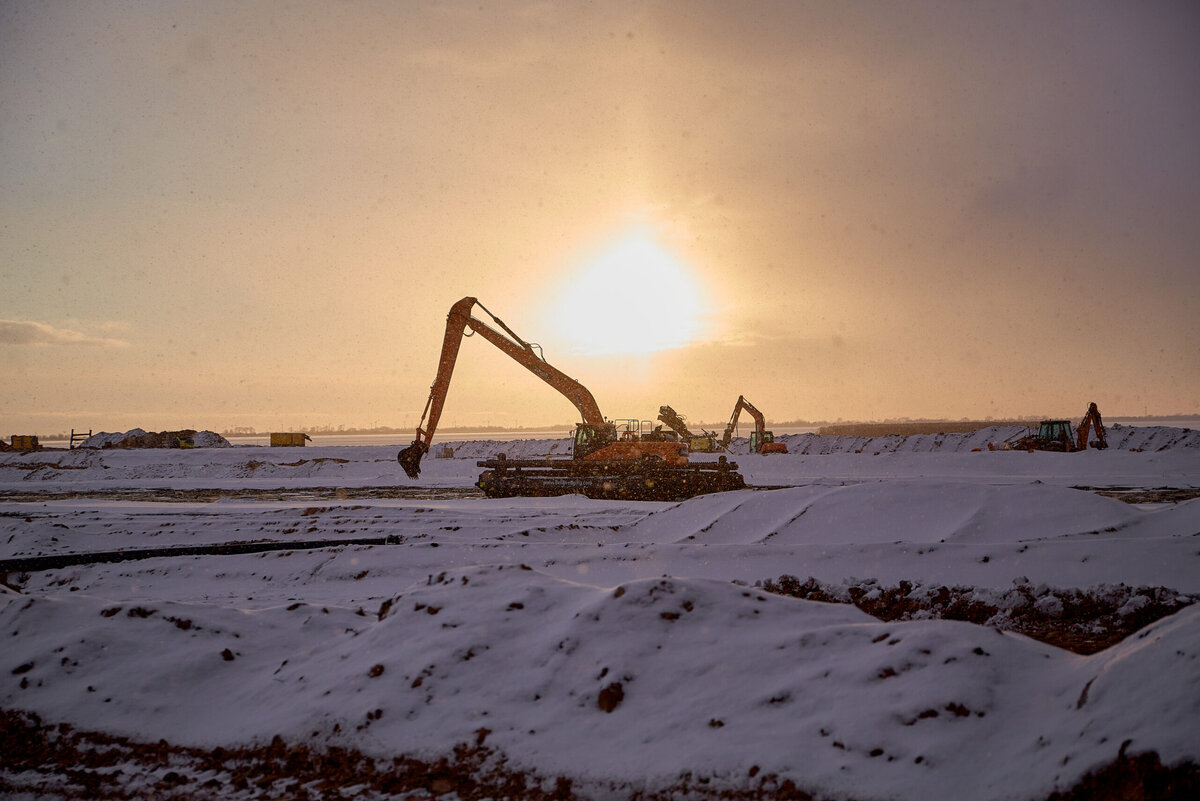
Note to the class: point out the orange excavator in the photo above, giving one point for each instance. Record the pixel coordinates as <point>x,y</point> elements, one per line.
<point>605,462</point>
<point>1057,435</point>
<point>761,440</point>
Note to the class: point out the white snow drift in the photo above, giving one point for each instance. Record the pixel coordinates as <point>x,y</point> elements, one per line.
<point>516,616</point>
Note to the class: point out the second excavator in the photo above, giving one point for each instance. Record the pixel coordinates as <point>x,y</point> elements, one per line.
<point>606,462</point>
<point>761,440</point>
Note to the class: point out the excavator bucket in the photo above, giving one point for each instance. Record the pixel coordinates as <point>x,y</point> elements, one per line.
<point>410,458</point>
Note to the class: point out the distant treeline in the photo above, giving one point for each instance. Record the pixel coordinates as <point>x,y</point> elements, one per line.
<point>316,431</point>
<point>911,427</point>
<point>902,425</point>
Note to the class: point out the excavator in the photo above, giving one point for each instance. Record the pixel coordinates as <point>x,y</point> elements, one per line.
<point>629,463</point>
<point>705,442</point>
<point>1057,435</point>
<point>761,440</point>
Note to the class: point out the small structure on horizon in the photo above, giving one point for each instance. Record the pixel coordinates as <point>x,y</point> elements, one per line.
<point>289,439</point>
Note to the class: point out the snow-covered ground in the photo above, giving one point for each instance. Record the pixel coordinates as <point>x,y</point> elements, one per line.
<point>621,645</point>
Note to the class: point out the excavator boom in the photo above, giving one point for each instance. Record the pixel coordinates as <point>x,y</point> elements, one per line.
<point>704,442</point>
<point>742,403</point>
<point>674,422</point>
<point>629,464</point>
<point>762,440</point>
<point>457,322</point>
<point>1091,420</point>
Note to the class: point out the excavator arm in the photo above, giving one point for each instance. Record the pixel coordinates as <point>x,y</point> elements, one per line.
<point>674,422</point>
<point>1091,419</point>
<point>704,442</point>
<point>457,322</point>
<point>760,424</point>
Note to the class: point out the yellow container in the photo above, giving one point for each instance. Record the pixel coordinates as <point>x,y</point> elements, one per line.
<point>25,442</point>
<point>288,440</point>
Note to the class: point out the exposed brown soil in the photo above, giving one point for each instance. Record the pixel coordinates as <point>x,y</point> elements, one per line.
<point>1138,778</point>
<point>58,761</point>
<point>50,761</point>
<point>248,494</point>
<point>1129,495</point>
<point>1081,621</point>
<point>1160,495</point>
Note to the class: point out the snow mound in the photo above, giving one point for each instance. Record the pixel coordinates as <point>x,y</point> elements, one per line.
<point>895,511</point>
<point>638,683</point>
<point>1120,437</point>
<point>139,438</point>
<point>209,439</point>
<point>110,439</point>
<point>515,449</point>
<point>1151,438</point>
<point>1083,621</point>
<point>1171,521</point>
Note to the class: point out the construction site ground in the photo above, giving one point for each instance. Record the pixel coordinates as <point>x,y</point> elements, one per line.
<point>946,622</point>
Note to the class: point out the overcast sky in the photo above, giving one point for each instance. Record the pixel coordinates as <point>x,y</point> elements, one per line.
<point>217,214</point>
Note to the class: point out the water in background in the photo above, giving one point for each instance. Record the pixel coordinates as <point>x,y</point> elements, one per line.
<point>402,440</point>
<point>465,436</point>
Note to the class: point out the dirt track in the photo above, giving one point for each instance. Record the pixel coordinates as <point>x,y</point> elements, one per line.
<point>166,494</point>
<point>210,495</point>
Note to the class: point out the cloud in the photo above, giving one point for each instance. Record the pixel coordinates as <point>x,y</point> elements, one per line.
<point>27,332</point>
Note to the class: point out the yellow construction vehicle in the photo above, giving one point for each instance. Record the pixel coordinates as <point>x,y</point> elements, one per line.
<point>1060,436</point>
<point>606,462</point>
<point>704,442</point>
<point>761,440</point>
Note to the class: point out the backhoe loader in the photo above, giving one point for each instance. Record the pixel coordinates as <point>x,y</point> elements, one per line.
<point>605,462</point>
<point>761,440</point>
<point>1056,435</point>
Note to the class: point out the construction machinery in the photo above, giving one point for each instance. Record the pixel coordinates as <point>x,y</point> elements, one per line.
<point>606,462</point>
<point>761,440</point>
<point>1062,437</point>
<point>704,442</point>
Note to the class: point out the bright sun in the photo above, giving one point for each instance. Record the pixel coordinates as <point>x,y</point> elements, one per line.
<point>632,297</point>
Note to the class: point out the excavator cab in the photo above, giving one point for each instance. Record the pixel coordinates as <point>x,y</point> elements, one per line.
<point>1056,434</point>
<point>591,438</point>
<point>765,443</point>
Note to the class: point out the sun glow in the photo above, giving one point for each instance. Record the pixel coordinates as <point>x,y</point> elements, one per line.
<point>632,297</point>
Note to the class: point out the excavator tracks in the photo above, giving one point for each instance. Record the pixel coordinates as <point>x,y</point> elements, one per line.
<point>646,480</point>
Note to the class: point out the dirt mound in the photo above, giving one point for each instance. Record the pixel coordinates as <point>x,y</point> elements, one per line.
<point>59,761</point>
<point>65,762</point>
<point>139,438</point>
<point>1081,621</point>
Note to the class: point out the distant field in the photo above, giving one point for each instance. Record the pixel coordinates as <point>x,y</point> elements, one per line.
<point>907,429</point>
